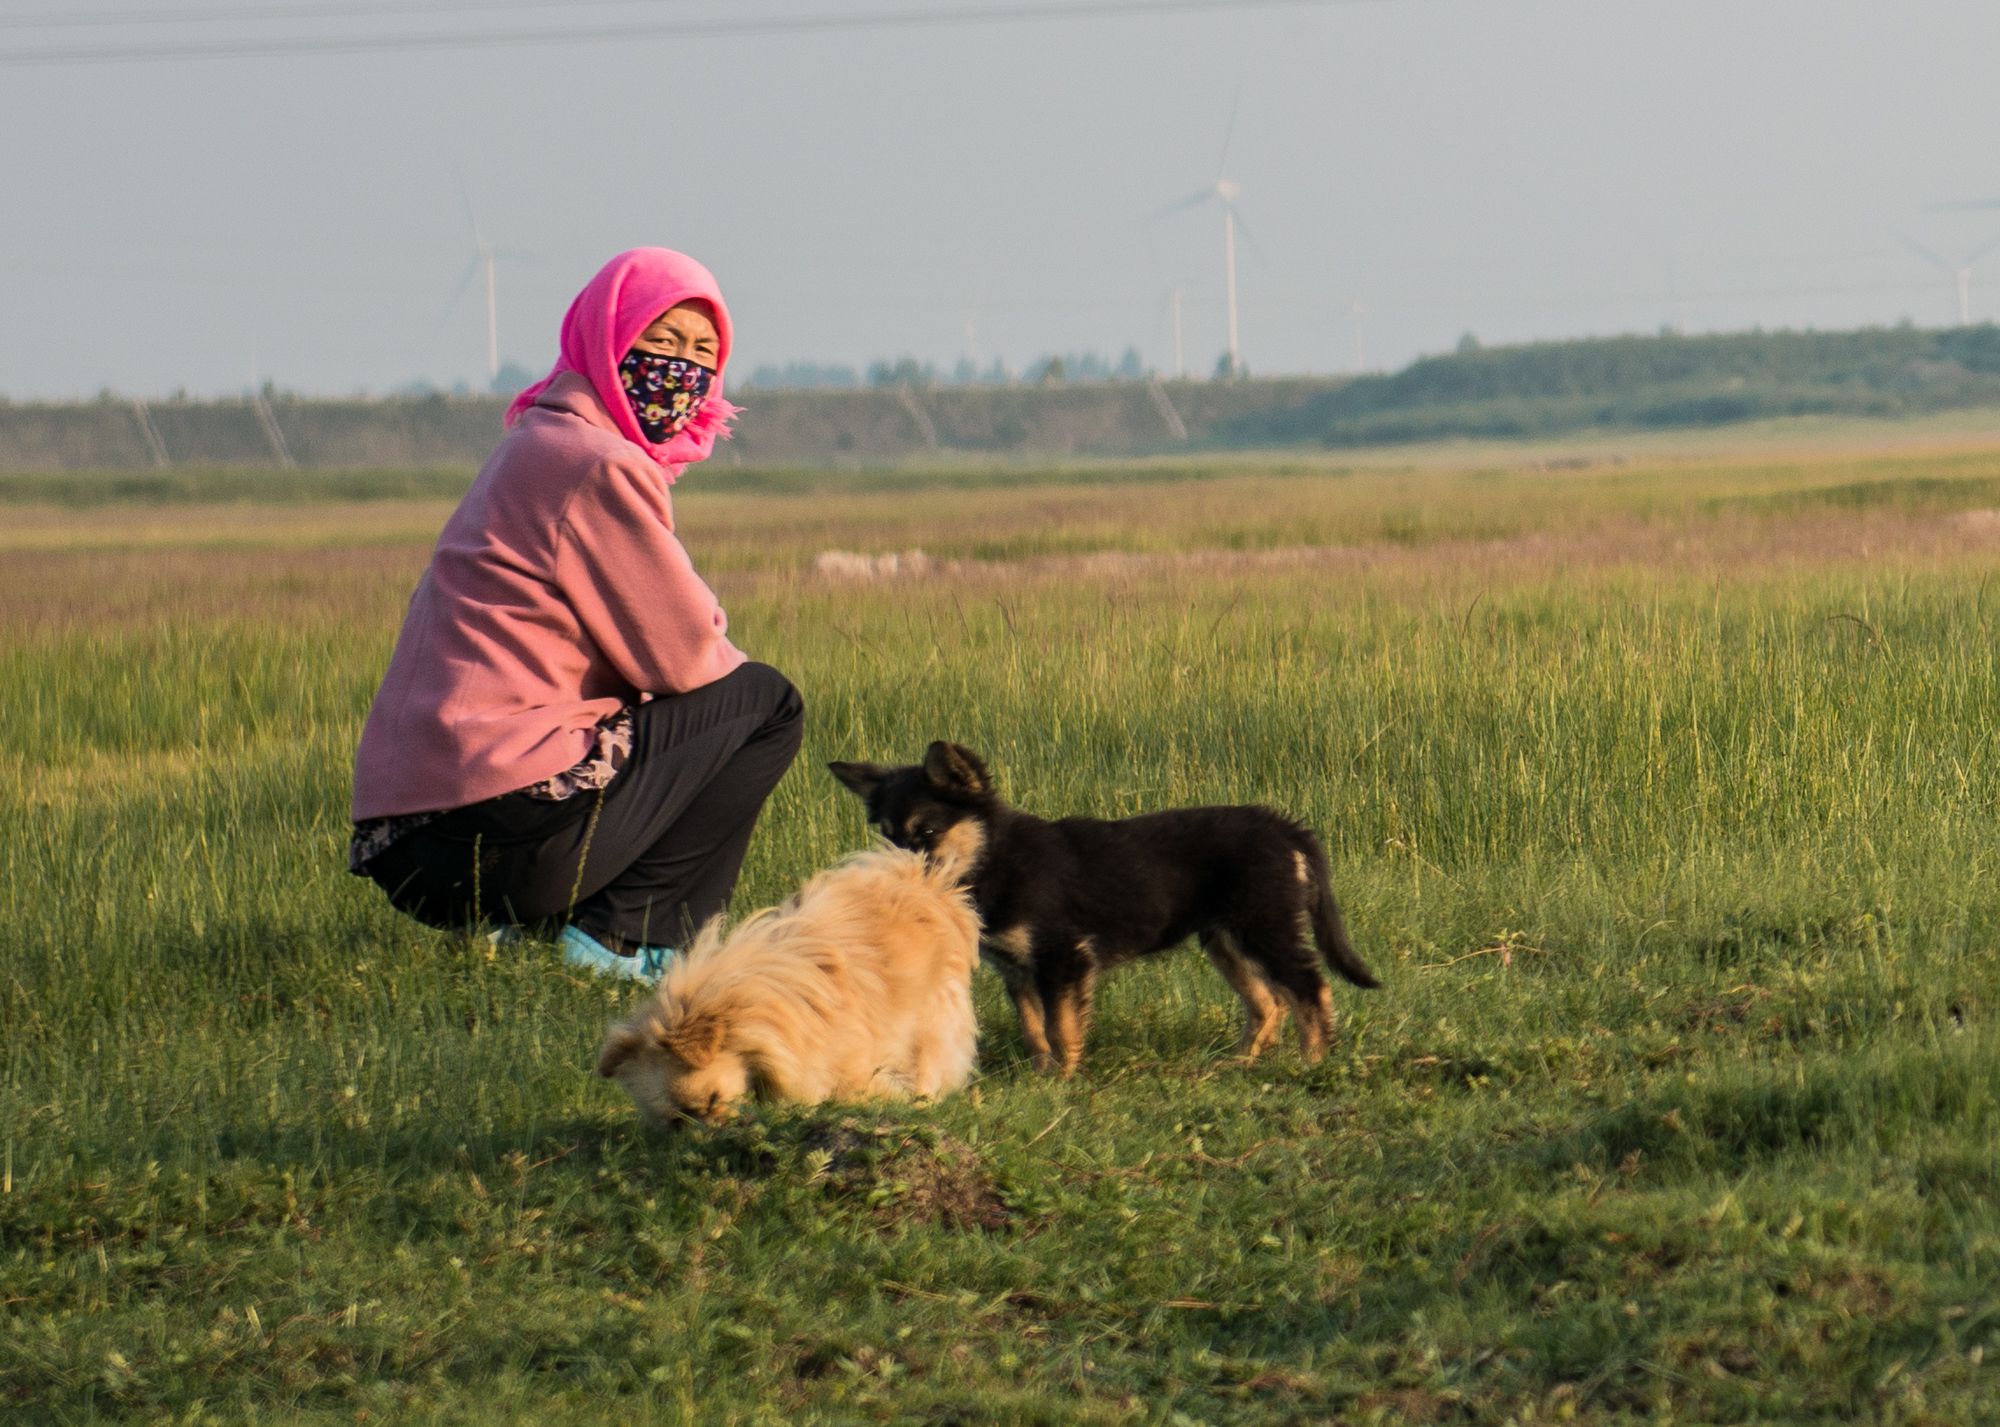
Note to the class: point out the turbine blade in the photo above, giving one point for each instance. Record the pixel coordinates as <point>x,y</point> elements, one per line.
<point>458,293</point>
<point>1926,254</point>
<point>1193,200</point>
<point>1963,205</point>
<point>465,203</point>
<point>1249,238</point>
<point>1982,250</point>
<point>1229,131</point>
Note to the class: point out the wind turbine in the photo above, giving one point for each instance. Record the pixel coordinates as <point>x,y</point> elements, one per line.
<point>1225,191</point>
<point>1961,272</point>
<point>484,258</point>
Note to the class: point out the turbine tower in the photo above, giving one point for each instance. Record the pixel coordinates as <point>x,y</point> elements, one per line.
<point>1224,191</point>
<point>485,258</point>
<point>1180,359</point>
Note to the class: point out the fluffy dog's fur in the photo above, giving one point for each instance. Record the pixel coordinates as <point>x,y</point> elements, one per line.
<point>859,986</point>
<point>1062,901</point>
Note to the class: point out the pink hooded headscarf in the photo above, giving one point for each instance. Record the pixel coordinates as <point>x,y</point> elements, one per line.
<point>606,319</point>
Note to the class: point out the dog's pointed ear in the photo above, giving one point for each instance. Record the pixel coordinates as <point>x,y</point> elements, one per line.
<point>695,1038</point>
<point>621,1042</point>
<point>952,769</point>
<point>860,779</point>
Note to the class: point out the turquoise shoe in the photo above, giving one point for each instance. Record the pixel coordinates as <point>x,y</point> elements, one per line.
<point>584,951</point>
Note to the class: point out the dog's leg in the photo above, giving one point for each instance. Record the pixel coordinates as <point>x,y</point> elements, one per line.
<point>1068,978</point>
<point>1324,1019</point>
<point>1311,1001</point>
<point>1261,1016</point>
<point>1312,1013</point>
<point>1069,1021</point>
<point>1034,1022</point>
<point>1276,951</point>
<point>888,1084</point>
<point>1011,954</point>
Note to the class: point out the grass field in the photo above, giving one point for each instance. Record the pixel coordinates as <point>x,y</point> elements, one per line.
<point>1663,794</point>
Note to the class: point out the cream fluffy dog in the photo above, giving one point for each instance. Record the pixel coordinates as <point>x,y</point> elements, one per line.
<point>859,986</point>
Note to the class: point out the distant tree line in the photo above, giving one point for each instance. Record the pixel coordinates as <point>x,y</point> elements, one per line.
<point>908,371</point>
<point>1545,388</point>
<point>1537,389</point>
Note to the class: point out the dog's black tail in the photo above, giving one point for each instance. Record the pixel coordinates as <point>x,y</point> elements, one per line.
<point>1328,928</point>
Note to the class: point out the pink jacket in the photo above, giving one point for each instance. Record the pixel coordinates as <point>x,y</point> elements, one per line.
<point>556,593</point>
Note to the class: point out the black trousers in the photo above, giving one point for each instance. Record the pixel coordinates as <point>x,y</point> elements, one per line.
<point>643,862</point>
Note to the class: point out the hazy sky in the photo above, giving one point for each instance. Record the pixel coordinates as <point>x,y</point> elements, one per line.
<point>1516,168</point>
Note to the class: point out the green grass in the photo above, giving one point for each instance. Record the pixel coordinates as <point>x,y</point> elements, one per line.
<point>1663,798</point>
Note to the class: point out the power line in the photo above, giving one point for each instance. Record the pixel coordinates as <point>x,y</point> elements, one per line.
<point>264,14</point>
<point>720,29</point>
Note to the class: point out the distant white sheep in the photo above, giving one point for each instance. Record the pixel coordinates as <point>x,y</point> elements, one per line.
<point>847,565</point>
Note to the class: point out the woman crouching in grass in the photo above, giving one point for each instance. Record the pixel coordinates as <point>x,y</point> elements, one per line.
<point>565,735</point>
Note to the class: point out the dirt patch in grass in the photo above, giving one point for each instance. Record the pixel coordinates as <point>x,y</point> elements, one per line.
<point>1722,1011</point>
<point>907,1178</point>
<point>1863,1293</point>
<point>1407,1404</point>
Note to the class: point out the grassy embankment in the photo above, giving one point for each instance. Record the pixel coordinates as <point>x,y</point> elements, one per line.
<point>1663,796</point>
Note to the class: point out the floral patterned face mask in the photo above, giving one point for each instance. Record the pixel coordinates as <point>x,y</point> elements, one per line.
<point>665,392</point>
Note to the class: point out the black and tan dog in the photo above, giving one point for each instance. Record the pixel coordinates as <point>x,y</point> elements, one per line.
<point>1061,901</point>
